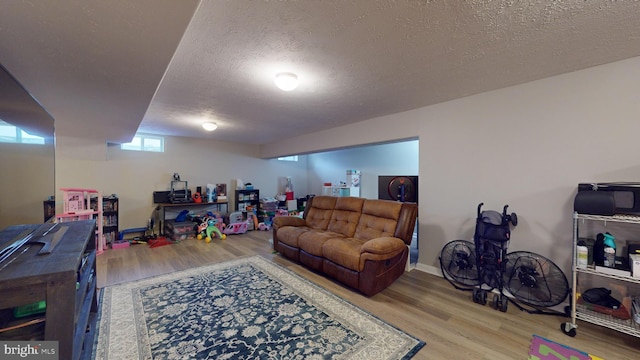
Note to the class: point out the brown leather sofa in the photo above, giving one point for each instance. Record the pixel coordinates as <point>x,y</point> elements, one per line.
<point>362,243</point>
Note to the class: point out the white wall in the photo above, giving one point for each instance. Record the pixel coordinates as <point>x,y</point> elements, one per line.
<point>527,146</point>
<point>399,158</point>
<point>134,176</point>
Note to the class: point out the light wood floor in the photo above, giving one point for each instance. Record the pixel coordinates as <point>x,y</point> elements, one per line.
<point>423,305</point>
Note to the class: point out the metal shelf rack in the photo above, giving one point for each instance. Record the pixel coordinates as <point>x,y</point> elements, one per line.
<point>580,312</point>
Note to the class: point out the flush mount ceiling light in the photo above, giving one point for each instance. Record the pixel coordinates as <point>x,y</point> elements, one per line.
<point>209,126</point>
<point>286,81</point>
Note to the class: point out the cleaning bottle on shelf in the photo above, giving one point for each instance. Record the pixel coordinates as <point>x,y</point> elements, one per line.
<point>582,255</point>
<point>609,250</point>
<point>609,240</point>
<point>609,256</point>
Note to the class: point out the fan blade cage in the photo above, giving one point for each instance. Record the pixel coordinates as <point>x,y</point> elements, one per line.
<point>458,262</point>
<point>534,280</point>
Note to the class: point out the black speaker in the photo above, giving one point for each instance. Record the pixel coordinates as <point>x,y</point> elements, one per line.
<point>595,203</point>
<point>161,197</point>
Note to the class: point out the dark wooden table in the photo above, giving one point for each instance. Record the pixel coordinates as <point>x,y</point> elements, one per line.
<point>65,279</point>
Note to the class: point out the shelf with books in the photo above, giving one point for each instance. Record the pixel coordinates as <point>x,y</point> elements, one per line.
<point>110,205</point>
<point>49,207</point>
<point>247,198</point>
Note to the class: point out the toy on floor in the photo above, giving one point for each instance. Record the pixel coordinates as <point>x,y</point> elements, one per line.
<point>236,228</point>
<point>264,226</point>
<point>159,241</point>
<point>208,229</point>
<point>252,221</point>
<point>236,217</point>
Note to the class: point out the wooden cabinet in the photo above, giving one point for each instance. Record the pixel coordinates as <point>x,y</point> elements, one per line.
<point>65,278</point>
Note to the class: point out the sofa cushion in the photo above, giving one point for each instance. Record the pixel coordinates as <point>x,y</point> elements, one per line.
<point>379,218</point>
<point>289,234</point>
<point>312,241</point>
<point>344,252</point>
<point>346,215</point>
<point>383,246</point>
<point>319,213</point>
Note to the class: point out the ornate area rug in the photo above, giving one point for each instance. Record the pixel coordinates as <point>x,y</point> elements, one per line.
<point>248,308</point>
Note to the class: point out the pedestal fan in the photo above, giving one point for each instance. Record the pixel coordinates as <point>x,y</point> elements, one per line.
<point>534,280</point>
<point>458,264</point>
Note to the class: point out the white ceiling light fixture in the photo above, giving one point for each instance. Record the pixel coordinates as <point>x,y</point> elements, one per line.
<point>209,126</point>
<point>286,81</point>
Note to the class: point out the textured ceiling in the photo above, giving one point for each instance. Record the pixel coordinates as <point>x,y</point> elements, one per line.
<point>109,63</point>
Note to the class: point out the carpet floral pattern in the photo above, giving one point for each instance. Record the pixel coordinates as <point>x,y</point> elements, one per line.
<point>248,308</point>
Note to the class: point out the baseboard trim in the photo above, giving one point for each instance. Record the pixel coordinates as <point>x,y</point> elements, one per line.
<point>425,268</point>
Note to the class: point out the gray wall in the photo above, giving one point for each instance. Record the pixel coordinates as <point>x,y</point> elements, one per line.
<point>527,146</point>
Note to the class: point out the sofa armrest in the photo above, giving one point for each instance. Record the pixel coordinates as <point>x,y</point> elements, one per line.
<point>407,222</point>
<point>281,221</point>
<point>383,245</point>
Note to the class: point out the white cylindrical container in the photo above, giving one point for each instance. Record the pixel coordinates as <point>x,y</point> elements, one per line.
<point>326,189</point>
<point>609,257</point>
<point>582,257</point>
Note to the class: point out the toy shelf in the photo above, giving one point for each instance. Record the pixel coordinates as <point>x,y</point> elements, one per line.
<point>109,218</point>
<point>78,206</point>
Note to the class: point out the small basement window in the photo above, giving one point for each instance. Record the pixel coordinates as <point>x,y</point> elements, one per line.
<point>13,134</point>
<point>289,158</point>
<point>145,143</point>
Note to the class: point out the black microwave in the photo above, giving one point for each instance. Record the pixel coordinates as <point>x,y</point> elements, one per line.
<point>608,198</point>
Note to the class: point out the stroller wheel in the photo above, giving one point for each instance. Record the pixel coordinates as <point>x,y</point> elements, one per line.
<point>479,296</point>
<point>514,219</point>
<point>500,302</point>
<point>504,303</point>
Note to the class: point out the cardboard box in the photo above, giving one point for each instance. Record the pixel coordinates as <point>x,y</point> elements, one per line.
<point>634,263</point>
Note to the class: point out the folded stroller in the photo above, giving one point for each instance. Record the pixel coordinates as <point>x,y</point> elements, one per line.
<point>491,240</point>
<point>484,265</point>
